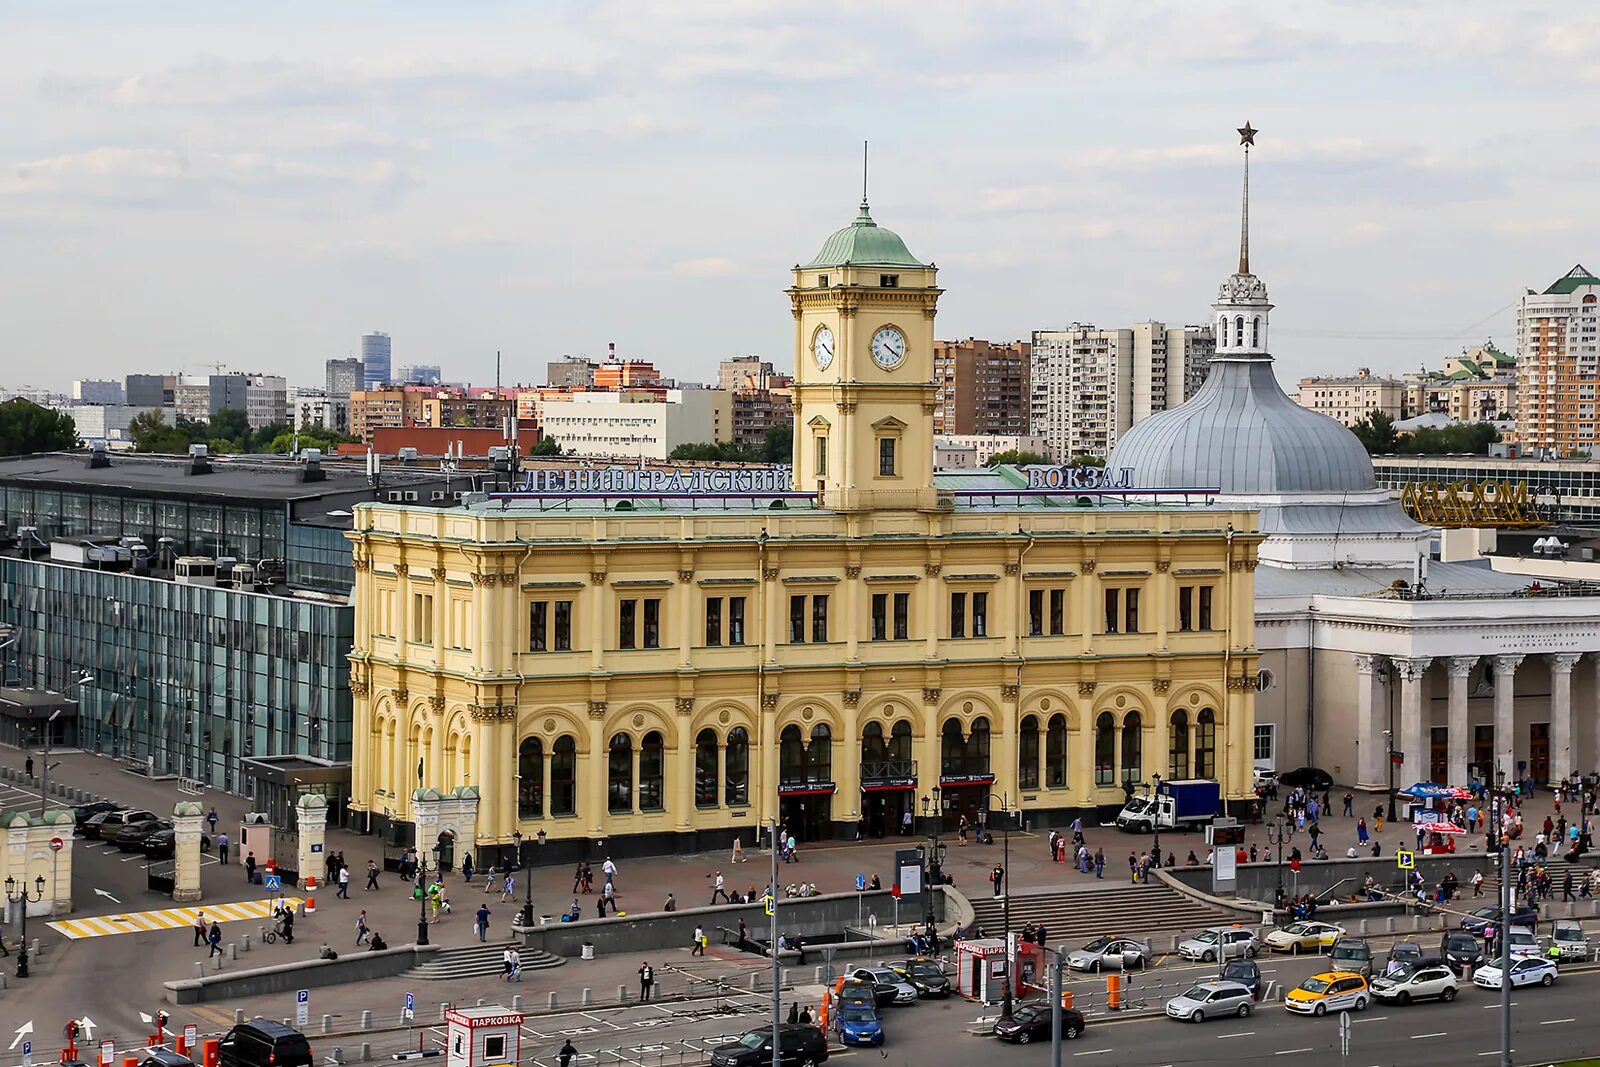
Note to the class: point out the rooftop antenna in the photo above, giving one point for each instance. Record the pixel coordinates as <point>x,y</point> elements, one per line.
<point>863,174</point>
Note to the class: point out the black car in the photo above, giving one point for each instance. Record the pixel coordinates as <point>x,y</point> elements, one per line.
<point>1483,918</point>
<point>165,1057</point>
<point>264,1043</point>
<point>925,975</point>
<point>131,837</point>
<point>163,843</point>
<point>800,1046</point>
<point>1031,1022</point>
<point>853,991</point>
<point>1460,950</point>
<point>82,813</point>
<point>1246,973</point>
<point>1402,952</point>
<point>883,993</point>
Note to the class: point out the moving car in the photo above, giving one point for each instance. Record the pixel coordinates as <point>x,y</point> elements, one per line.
<point>798,1046</point>
<point>1352,954</point>
<point>1110,954</point>
<point>1529,970</point>
<point>926,975</point>
<point>859,1025</point>
<point>1244,972</point>
<point>1521,915</point>
<point>1329,991</point>
<point>852,991</point>
<point>1209,1000</point>
<point>1568,940</point>
<point>900,991</point>
<point>1031,1022</point>
<point>1229,941</point>
<point>1310,936</point>
<point>1460,950</point>
<point>264,1043</point>
<point>1417,981</point>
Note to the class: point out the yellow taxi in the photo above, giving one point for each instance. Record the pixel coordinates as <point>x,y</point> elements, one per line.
<point>1329,991</point>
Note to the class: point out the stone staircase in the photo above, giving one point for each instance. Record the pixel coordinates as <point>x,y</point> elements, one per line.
<point>479,961</point>
<point>1074,916</point>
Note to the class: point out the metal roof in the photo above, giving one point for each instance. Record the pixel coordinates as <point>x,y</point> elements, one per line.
<point>864,243</point>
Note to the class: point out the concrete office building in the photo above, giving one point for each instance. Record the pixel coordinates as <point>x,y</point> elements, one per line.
<point>638,425</point>
<point>96,391</point>
<point>343,377</point>
<point>149,390</point>
<point>570,372</point>
<point>421,374</point>
<point>266,400</point>
<point>375,357</point>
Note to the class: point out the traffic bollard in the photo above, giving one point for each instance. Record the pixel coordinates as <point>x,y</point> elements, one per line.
<point>1364,926</point>
<point>238,1016</point>
<point>444,1011</point>
<point>337,1055</point>
<point>1416,922</point>
<point>552,1000</point>
<point>199,970</point>
<point>1172,946</point>
<point>755,982</point>
<point>480,1002</point>
<point>366,1052</point>
<point>622,994</point>
<point>327,1024</point>
<point>233,951</point>
<point>818,979</point>
<point>516,1002</point>
<point>244,943</point>
<point>366,1019</point>
<point>586,997</point>
<point>219,963</point>
<point>1388,924</point>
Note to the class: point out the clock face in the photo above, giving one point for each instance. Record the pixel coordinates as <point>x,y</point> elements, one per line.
<point>888,347</point>
<point>822,347</point>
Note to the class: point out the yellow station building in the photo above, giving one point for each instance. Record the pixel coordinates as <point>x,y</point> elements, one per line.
<point>668,661</point>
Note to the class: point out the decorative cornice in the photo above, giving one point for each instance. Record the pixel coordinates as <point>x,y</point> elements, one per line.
<point>1010,693</point>
<point>684,705</point>
<point>493,712</point>
<point>931,569</point>
<point>686,576</point>
<point>769,701</point>
<point>1086,689</point>
<point>852,698</point>
<point>1242,682</point>
<point>597,577</point>
<point>359,688</point>
<point>930,695</point>
<point>852,572</point>
<point>1161,685</point>
<point>1087,566</point>
<point>597,709</point>
<point>1368,664</point>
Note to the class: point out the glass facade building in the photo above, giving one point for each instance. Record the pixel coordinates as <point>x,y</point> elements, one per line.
<point>240,527</point>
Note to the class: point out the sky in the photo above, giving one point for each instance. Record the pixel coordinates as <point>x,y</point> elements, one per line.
<point>191,184</point>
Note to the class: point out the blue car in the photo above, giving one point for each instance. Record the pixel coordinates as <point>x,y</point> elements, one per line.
<point>860,1025</point>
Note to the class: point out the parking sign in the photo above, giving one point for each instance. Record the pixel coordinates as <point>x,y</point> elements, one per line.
<point>411,1006</point>
<point>302,1007</point>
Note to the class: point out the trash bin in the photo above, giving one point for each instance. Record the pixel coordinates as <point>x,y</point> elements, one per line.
<point>588,950</point>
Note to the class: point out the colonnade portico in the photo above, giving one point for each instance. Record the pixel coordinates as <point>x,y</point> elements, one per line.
<point>1403,725</point>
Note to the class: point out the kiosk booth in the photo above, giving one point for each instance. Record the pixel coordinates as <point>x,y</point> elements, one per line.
<point>981,971</point>
<point>482,1037</point>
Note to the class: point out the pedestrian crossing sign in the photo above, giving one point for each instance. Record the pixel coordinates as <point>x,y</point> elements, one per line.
<point>272,882</point>
<point>766,903</point>
<point>1405,859</point>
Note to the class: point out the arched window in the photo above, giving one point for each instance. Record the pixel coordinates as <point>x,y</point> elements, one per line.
<point>900,741</point>
<point>1178,745</point>
<point>705,769</point>
<point>619,775</point>
<point>1028,754</point>
<point>564,777</point>
<point>977,758</point>
<point>1055,752</point>
<point>873,750</point>
<point>1132,748</point>
<point>652,773</point>
<point>1238,331</point>
<point>791,755</point>
<point>737,767</point>
<point>530,779</point>
<point>951,747</point>
<point>1222,331</point>
<point>1255,332</point>
<point>1205,745</point>
<point>819,754</point>
<point>1105,750</point>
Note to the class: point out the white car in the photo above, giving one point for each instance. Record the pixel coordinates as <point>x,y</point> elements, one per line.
<point>1231,941</point>
<point>1530,970</point>
<point>1309,936</point>
<point>1522,942</point>
<point>1209,1000</point>
<point>1413,981</point>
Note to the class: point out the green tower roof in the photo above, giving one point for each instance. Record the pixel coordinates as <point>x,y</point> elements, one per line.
<point>864,243</point>
<point>1571,280</point>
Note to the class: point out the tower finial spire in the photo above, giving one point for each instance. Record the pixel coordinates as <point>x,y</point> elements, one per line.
<point>1247,138</point>
<point>863,174</point>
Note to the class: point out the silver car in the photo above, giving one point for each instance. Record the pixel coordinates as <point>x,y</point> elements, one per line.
<point>1110,954</point>
<point>1208,1000</point>
<point>904,991</point>
<point>1230,941</point>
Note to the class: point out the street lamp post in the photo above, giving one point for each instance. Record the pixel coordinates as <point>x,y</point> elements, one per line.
<point>525,914</point>
<point>1005,903</point>
<point>1503,847</point>
<point>1275,838</point>
<point>17,893</point>
<point>1155,817</point>
<point>422,870</point>
<point>933,856</point>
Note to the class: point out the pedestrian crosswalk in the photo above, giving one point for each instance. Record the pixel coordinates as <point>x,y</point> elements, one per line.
<point>166,919</point>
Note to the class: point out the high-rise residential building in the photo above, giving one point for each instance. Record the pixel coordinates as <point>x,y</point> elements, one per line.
<point>570,372</point>
<point>375,356</point>
<point>389,406</point>
<point>150,390</point>
<point>96,391</point>
<point>1558,364</point>
<point>983,387</point>
<point>266,400</point>
<point>745,374</point>
<point>1351,399</point>
<point>343,377</point>
<point>1087,386</point>
<point>420,374</point>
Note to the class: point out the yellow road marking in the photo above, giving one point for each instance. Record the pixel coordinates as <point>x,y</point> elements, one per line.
<point>164,919</point>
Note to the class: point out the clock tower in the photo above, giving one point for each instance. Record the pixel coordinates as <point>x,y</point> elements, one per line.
<point>863,383</point>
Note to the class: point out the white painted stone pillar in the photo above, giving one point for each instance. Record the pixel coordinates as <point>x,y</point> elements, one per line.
<point>1505,726</point>
<point>1371,722</point>
<point>1563,754</point>
<point>1414,737</point>
<point>1460,725</point>
<point>311,820</point>
<point>188,816</point>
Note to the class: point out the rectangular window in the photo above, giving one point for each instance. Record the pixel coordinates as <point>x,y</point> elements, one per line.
<point>1185,607</point>
<point>652,623</point>
<point>1035,612</point>
<point>902,616</point>
<point>822,456</point>
<point>797,619</point>
<point>422,618</point>
<point>713,621</point>
<point>627,623</point>
<point>1058,611</point>
<point>1263,743</point>
<point>1205,607</point>
<point>822,281</point>
<point>563,634</point>
<point>958,614</point>
<point>736,620</point>
<point>538,620</point>
<point>886,457</point>
<point>880,616</point>
<point>1113,611</point>
<point>819,618</point>
<point>1130,613</point>
<point>980,614</point>
<point>888,281</point>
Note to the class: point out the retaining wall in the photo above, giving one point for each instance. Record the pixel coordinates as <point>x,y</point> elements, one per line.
<point>305,974</point>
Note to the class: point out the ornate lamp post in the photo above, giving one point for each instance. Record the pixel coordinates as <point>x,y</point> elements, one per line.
<point>1005,902</point>
<point>933,855</point>
<point>1276,837</point>
<point>1155,817</point>
<point>17,893</point>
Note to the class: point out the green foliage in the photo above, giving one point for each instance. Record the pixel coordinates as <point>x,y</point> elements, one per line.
<point>310,437</point>
<point>1017,458</point>
<point>547,446</point>
<point>722,452</point>
<point>25,428</point>
<point>778,445</point>
<point>228,431</point>
<point>230,424</point>
<point>1378,436</point>
<point>1376,433</point>
<point>1086,461</point>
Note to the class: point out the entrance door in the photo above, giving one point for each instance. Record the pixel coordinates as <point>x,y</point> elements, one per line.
<point>886,810</point>
<point>1439,755</point>
<point>959,800</point>
<point>1483,752</point>
<point>808,817</point>
<point>1539,752</point>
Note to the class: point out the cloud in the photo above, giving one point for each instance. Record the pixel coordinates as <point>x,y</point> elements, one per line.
<point>122,173</point>
<point>708,267</point>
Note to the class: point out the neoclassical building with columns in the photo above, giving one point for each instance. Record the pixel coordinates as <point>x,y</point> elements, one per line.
<point>664,662</point>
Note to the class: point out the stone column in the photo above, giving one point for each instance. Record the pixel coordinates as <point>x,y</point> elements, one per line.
<point>1372,719</point>
<point>187,818</point>
<point>1459,725</point>
<point>311,819</point>
<point>1505,730</point>
<point>681,787</point>
<point>1563,757</point>
<point>1414,735</point>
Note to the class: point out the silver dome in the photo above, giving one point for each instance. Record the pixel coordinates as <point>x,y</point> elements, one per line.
<point>1241,434</point>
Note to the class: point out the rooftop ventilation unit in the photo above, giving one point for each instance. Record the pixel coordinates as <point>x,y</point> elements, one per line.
<point>199,461</point>
<point>97,455</point>
<point>312,470</point>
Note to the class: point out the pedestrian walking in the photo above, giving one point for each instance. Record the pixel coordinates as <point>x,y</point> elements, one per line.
<point>565,1055</point>
<point>608,895</point>
<point>372,874</point>
<point>699,947</point>
<point>222,848</point>
<point>466,868</point>
<point>250,868</point>
<point>211,817</point>
<point>609,869</point>
<point>1133,867</point>
<point>671,904</point>
<point>997,876</point>
<point>199,928</point>
<point>1566,888</point>
<point>215,938</point>
<point>1361,831</point>
<point>1099,863</point>
<point>905,823</point>
<point>738,850</point>
<point>647,980</point>
<point>1377,818</point>
<point>577,878</point>
<point>494,872</point>
<point>794,1013</point>
<point>600,907</point>
<point>719,889</point>
<point>344,881</point>
<point>510,891</point>
<point>27,766</point>
<point>482,925</point>
<point>513,963</point>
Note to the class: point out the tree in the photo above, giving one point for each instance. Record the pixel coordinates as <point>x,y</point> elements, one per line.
<point>721,452</point>
<point>547,446</point>
<point>231,424</point>
<point>1086,460</point>
<point>25,428</point>
<point>1016,458</point>
<point>778,444</point>
<point>1376,433</point>
<point>285,440</point>
<point>150,433</point>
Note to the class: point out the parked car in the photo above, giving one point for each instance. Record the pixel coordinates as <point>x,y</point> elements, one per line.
<point>799,1046</point>
<point>1522,942</point>
<point>1529,970</point>
<point>1246,973</point>
<point>1227,941</point>
<point>165,1057</point>
<point>264,1043</point>
<point>1031,1022</point>
<point>1417,981</point>
<point>1310,936</point>
<point>858,1024</point>
<point>1210,1000</point>
<point>852,991</point>
<point>1478,921</point>
<point>1460,950</point>
<point>1330,991</point>
<point>82,813</point>
<point>106,825</point>
<point>1110,954</point>
<point>131,837</point>
<point>1400,954</point>
<point>900,990</point>
<point>1352,954</point>
<point>926,975</point>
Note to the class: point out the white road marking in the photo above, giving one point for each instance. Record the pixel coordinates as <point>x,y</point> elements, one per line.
<point>1371,1019</point>
<point>1422,1037</point>
<point>1092,1052</point>
<point>1552,1022</point>
<point>1247,1033</point>
<point>1290,1051</point>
